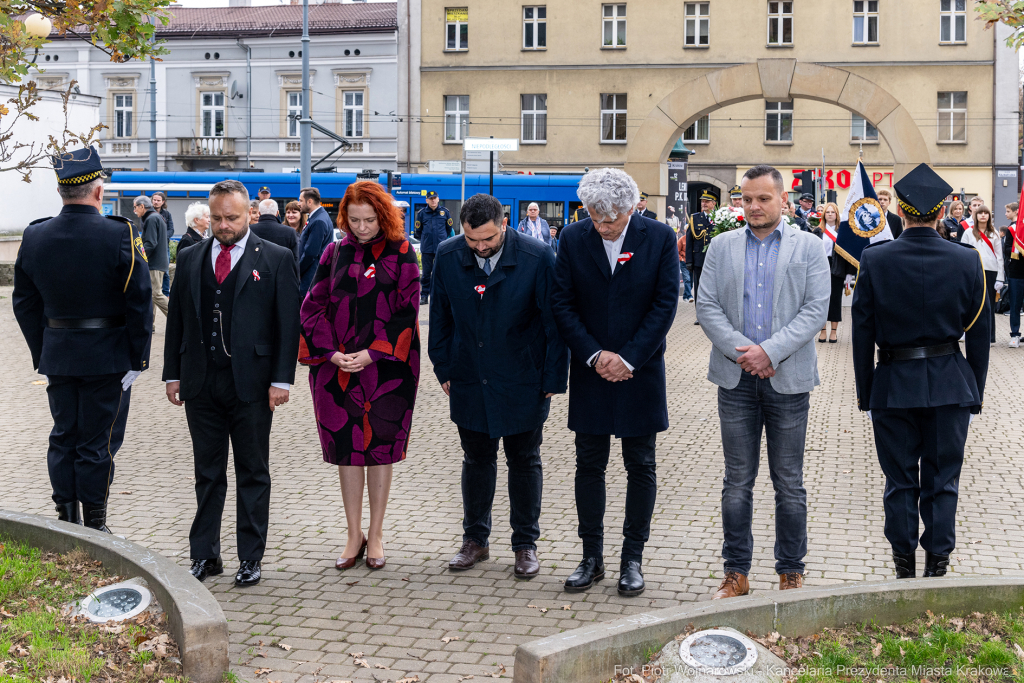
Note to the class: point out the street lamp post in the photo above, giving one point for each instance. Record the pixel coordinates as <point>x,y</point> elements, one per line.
<point>305,158</point>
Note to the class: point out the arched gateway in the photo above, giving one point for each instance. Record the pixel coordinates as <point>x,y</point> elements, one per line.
<point>773,80</point>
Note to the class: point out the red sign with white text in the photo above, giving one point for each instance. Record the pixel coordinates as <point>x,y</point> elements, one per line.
<point>840,178</point>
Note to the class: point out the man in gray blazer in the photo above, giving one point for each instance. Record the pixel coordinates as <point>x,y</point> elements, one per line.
<point>763,296</point>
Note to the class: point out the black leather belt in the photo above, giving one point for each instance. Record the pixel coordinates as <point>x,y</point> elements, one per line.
<point>85,323</point>
<point>886,356</point>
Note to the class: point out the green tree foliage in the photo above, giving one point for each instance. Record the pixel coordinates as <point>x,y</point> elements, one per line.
<point>1009,12</point>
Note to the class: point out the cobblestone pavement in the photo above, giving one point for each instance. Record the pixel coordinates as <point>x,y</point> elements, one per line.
<point>400,617</point>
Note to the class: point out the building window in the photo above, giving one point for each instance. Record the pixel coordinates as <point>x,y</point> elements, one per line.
<point>865,21</point>
<point>123,116</point>
<point>212,114</point>
<point>457,19</point>
<point>778,121</point>
<point>952,117</point>
<point>613,117</point>
<point>861,130</point>
<point>780,23</point>
<point>534,118</point>
<point>535,28</point>
<point>614,25</point>
<point>352,113</point>
<point>953,21</point>
<point>699,131</point>
<point>294,112</point>
<point>456,112</point>
<point>697,24</point>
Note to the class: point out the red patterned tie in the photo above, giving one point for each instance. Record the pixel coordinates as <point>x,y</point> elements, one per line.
<point>223,265</point>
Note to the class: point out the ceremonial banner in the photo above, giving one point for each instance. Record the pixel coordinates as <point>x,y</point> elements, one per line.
<point>863,219</point>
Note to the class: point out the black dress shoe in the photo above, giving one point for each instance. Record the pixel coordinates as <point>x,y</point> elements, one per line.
<point>249,573</point>
<point>935,565</point>
<point>95,517</point>
<point>203,568</point>
<point>68,512</point>
<point>906,567</point>
<point>589,571</point>
<point>424,299</point>
<point>631,578</point>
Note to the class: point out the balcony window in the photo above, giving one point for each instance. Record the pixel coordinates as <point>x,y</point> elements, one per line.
<point>352,103</point>
<point>123,116</point>
<point>294,112</point>
<point>212,114</point>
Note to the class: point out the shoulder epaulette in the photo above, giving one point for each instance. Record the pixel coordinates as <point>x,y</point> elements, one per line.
<point>121,219</point>
<point>40,220</point>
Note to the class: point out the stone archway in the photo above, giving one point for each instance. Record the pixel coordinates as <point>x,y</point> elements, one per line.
<point>773,80</point>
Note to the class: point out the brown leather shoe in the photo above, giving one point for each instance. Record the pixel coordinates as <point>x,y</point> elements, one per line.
<point>787,581</point>
<point>349,562</point>
<point>527,564</point>
<point>733,585</point>
<point>469,554</point>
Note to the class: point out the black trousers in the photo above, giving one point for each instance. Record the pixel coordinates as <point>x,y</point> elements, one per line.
<point>214,416</point>
<point>525,485</point>
<point>990,302</point>
<point>425,273</point>
<point>696,279</point>
<point>921,451</point>
<point>641,490</point>
<point>89,417</point>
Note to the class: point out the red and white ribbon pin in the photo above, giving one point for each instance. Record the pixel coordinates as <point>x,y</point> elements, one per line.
<point>625,256</point>
<point>480,289</point>
<point>371,271</point>
<point>255,276</point>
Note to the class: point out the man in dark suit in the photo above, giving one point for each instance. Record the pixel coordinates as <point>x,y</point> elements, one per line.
<point>698,238</point>
<point>915,298</point>
<point>269,229</point>
<point>641,208</point>
<point>615,296</point>
<point>84,301</point>
<point>318,233</point>
<point>492,292</point>
<point>895,224</point>
<point>232,339</point>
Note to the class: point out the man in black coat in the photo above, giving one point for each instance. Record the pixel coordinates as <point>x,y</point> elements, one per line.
<point>269,229</point>
<point>154,240</point>
<point>497,354</point>
<point>318,233</point>
<point>698,239</point>
<point>615,296</point>
<point>894,222</point>
<point>231,343</point>
<point>915,297</point>
<point>641,208</point>
<point>84,301</point>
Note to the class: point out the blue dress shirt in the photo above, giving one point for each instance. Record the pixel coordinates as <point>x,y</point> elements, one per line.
<point>759,283</point>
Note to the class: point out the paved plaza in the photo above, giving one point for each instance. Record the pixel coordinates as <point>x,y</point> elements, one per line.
<point>416,618</point>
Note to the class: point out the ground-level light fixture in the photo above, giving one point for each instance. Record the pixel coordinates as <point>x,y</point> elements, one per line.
<point>116,602</point>
<point>718,652</point>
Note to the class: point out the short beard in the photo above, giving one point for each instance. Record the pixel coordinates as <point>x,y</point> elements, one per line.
<point>767,224</point>
<point>234,239</point>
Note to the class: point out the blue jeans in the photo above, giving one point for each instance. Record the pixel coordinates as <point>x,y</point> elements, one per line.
<point>744,412</point>
<point>1016,300</point>
<point>685,272</point>
<point>167,276</point>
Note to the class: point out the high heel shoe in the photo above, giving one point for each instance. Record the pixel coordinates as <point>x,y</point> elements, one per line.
<point>821,339</point>
<point>833,341</point>
<point>375,562</point>
<point>349,562</point>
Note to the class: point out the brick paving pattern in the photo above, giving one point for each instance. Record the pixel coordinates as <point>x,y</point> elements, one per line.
<point>400,617</point>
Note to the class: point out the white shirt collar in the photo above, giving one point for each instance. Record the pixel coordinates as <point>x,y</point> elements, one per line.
<point>613,248</point>
<point>493,259</point>
<point>238,248</point>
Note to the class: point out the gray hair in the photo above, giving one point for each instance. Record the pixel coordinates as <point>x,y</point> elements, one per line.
<point>268,207</point>
<point>194,211</point>
<point>143,200</point>
<point>608,192</point>
<point>533,204</point>
<point>72,193</point>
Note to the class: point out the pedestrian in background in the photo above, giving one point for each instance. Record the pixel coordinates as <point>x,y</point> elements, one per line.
<point>953,225</point>
<point>535,226</point>
<point>684,272</point>
<point>254,211</point>
<point>434,224</point>
<point>699,228</point>
<point>361,340</point>
<point>315,237</point>
<point>616,294</point>
<point>984,237</point>
<point>736,197</point>
<point>498,356</point>
<point>842,271</point>
<point>971,209</point>
<point>197,220</point>
<point>160,205</point>
<point>764,295</point>
<point>894,222</point>
<point>1013,263</point>
<point>271,230</point>
<point>154,241</point>
<point>293,217</point>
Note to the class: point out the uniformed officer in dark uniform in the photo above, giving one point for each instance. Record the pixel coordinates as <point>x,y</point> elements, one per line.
<point>915,297</point>
<point>641,208</point>
<point>83,299</point>
<point>736,197</point>
<point>580,213</point>
<point>700,228</point>
<point>434,224</point>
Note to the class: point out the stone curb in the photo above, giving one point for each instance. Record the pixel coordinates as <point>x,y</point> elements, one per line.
<point>591,653</point>
<point>193,614</point>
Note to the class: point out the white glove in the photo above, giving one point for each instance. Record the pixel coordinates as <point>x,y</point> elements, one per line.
<point>130,376</point>
<point>849,281</point>
<point>869,415</point>
<point>999,285</point>
<point>970,420</point>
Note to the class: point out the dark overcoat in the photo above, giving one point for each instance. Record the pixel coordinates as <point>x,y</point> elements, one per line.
<point>629,313</point>
<point>500,349</point>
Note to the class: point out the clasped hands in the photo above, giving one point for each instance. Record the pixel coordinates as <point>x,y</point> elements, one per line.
<point>352,362</point>
<point>275,395</point>
<point>754,360</point>
<point>610,366</point>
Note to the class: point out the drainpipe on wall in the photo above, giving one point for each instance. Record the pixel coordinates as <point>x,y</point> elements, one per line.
<point>248,97</point>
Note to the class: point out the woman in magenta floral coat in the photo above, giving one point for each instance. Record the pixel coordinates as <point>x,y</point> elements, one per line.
<point>361,339</point>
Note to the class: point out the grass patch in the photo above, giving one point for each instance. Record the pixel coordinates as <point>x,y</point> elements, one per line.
<point>41,643</point>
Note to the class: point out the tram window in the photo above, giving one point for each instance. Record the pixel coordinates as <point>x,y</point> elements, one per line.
<point>552,212</point>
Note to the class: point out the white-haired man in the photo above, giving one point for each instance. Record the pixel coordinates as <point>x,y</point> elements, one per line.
<point>615,296</point>
<point>269,228</point>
